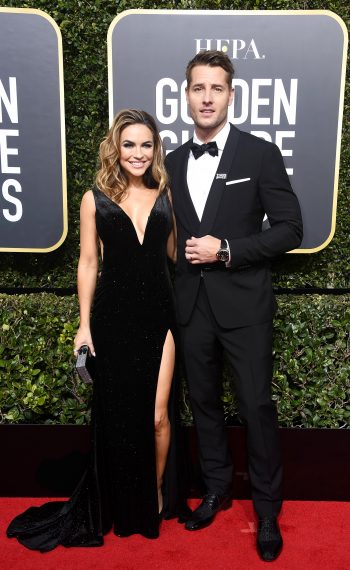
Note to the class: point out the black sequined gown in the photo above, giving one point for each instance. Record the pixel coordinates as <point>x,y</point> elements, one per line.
<point>133,311</point>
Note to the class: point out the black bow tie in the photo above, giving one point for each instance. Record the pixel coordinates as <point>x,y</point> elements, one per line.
<point>199,149</point>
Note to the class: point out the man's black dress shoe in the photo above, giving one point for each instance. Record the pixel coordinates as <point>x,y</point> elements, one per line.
<point>205,513</point>
<point>269,540</point>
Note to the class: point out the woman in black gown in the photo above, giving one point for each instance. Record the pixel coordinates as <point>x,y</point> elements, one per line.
<point>131,330</point>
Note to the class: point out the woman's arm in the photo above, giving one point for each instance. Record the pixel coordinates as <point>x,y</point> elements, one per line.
<point>87,269</point>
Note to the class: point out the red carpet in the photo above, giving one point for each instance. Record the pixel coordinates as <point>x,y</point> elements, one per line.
<point>316,537</point>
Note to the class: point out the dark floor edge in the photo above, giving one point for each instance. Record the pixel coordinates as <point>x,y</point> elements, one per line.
<point>66,291</point>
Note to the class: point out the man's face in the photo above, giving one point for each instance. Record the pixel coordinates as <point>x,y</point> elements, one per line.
<point>209,97</point>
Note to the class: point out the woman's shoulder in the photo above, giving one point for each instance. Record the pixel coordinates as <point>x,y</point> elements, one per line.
<point>164,195</point>
<point>96,195</point>
<point>164,202</point>
<point>94,191</point>
<point>88,200</point>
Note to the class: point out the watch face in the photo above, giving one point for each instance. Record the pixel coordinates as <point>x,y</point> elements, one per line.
<point>223,255</point>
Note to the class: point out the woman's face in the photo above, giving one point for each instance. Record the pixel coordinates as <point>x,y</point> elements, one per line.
<point>136,149</point>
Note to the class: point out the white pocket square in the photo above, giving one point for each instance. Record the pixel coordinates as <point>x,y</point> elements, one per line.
<point>237,181</point>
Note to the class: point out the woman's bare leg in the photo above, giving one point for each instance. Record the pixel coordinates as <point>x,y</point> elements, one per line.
<point>161,419</point>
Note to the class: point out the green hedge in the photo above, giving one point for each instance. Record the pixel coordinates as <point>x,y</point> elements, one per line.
<point>37,381</point>
<point>38,384</point>
<point>84,26</point>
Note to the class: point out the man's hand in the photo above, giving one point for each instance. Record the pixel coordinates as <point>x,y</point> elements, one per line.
<point>202,250</point>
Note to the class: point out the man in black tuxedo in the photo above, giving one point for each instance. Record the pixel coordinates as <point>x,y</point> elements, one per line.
<point>223,182</point>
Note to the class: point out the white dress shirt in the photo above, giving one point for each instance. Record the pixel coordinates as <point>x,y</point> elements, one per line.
<point>201,172</point>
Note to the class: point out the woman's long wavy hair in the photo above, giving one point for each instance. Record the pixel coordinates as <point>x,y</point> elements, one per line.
<point>110,178</point>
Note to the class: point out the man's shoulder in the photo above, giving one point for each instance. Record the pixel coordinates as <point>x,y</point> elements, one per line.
<point>252,140</point>
<point>178,153</point>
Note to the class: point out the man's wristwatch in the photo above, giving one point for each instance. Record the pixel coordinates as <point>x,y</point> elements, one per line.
<point>223,254</point>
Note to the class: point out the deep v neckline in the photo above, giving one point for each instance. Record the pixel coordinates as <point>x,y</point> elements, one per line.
<point>130,220</point>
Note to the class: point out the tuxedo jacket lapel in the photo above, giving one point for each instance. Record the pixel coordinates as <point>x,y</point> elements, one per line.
<point>184,202</point>
<point>219,184</point>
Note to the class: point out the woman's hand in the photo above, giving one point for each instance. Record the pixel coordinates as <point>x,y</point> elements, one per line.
<point>82,337</point>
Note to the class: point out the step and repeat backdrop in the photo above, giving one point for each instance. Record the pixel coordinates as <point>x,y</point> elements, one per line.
<point>289,89</point>
<point>33,201</point>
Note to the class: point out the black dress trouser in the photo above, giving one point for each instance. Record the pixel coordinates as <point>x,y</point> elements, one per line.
<point>250,353</point>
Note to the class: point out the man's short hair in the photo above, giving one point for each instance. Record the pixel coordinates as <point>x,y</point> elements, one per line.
<point>213,58</point>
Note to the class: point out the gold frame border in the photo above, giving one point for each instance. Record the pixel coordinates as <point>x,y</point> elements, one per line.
<point>43,14</point>
<point>328,13</point>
